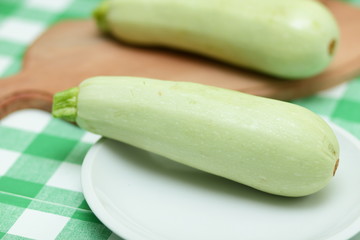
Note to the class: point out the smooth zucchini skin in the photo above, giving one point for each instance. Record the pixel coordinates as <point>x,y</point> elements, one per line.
<point>289,39</point>
<point>274,146</point>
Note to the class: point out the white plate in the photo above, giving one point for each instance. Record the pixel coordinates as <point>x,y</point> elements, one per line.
<point>140,195</point>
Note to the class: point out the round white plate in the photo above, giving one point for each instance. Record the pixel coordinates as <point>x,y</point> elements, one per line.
<point>142,196</point>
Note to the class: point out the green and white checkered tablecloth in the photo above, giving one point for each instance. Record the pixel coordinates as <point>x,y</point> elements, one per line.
<point>40,157</point>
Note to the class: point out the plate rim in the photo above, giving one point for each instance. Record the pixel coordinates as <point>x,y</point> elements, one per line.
<point>95,205</point>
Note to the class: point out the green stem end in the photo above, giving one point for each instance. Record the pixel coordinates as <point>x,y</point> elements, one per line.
<point>65,104</point>
<point>99,14</point>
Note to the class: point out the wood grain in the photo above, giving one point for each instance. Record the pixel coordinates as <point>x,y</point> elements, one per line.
<point>72,51</point>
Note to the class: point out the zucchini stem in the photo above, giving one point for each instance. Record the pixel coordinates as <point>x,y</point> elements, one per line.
<point>65,104</point>
<point>99,15</point>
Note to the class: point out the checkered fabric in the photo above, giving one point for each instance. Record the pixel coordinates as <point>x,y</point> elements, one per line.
<point>40,191</point>
<point>40,157</point>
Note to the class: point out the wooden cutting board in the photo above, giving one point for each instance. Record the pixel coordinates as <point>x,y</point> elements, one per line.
<point>72,51</point>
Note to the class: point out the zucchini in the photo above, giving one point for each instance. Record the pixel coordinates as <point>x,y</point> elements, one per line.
<point>288,39</point>
<point>273,146</point>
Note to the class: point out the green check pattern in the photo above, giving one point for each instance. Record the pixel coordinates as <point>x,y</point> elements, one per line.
<point>41,157</point>
<point>40,191</point>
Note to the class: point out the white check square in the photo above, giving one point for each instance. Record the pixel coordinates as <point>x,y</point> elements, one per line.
<point>8,158</point>
<point>336,92</point>
<point>20,30</point>
<point>28,119</point>
<point>5,63</point>
<point>67,176</point>
<point>90,137</point>
<point>38,225</point>
<point>53,5</point>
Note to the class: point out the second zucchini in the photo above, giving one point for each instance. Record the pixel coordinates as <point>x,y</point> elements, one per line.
<point>288,39</point>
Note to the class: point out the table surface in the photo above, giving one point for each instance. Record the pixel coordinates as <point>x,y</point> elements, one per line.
<point>41,157</point>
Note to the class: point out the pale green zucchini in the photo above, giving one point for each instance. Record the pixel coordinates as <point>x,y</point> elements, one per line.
<point>287,38</point>
<point>270,145</point>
